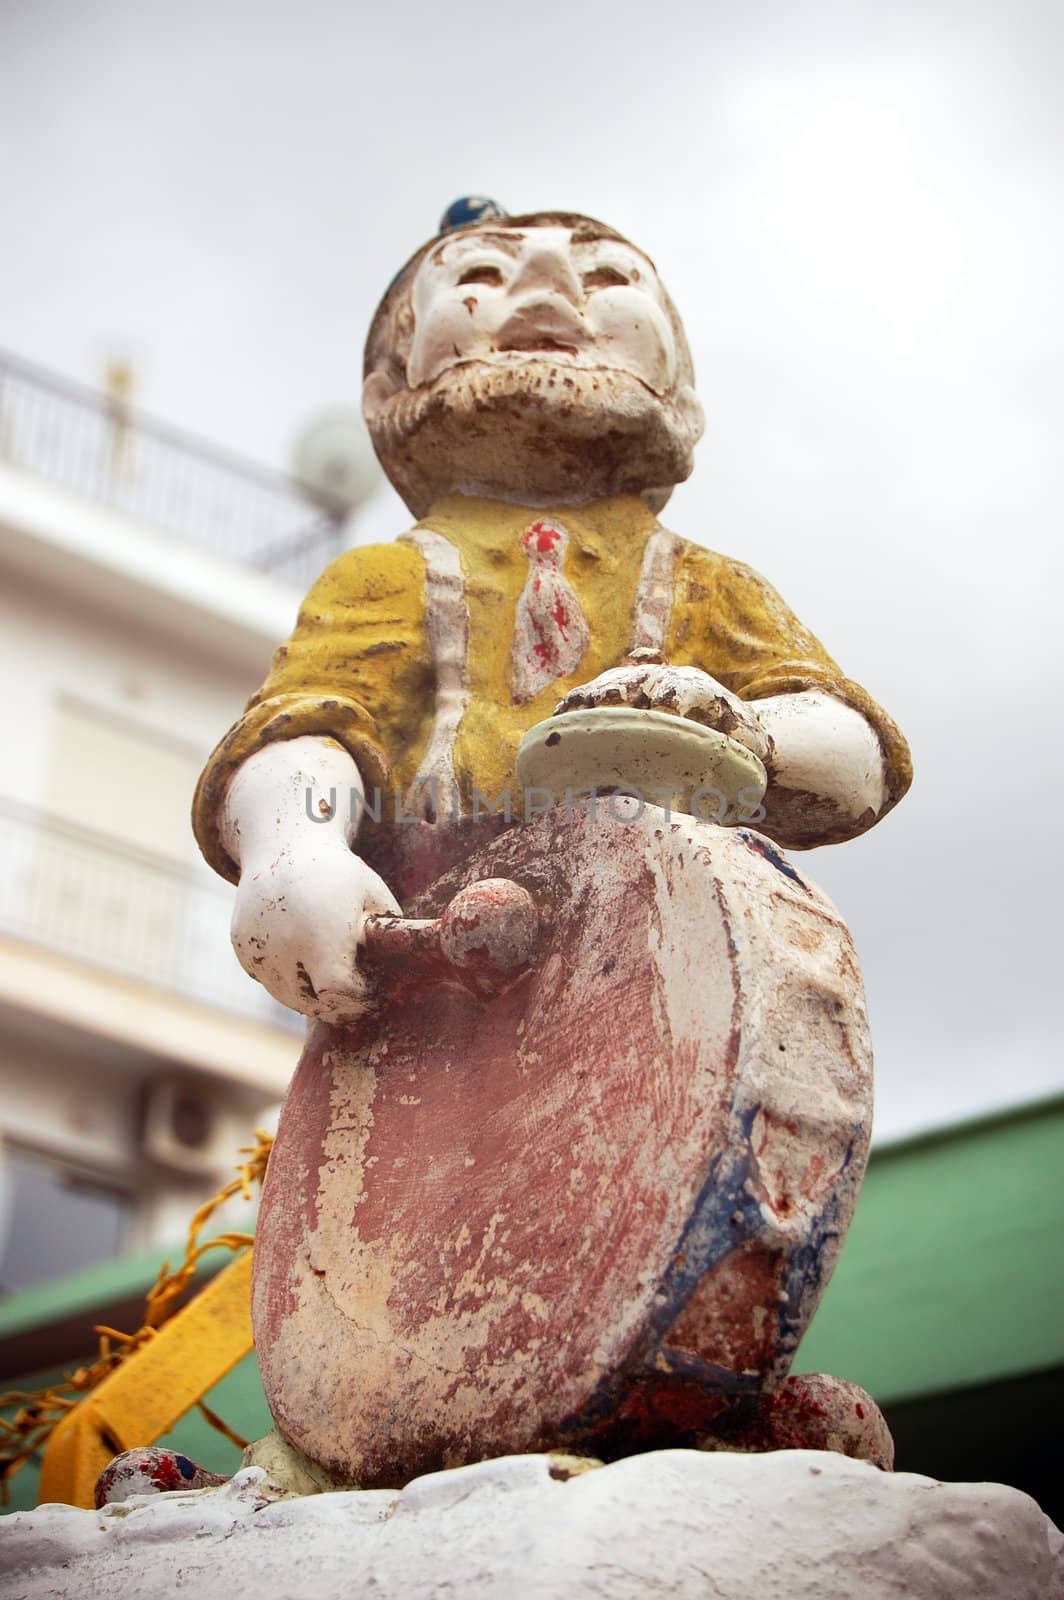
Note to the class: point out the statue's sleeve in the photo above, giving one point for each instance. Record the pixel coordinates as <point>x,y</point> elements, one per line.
<point>357,669</point>
<point>734,625</point>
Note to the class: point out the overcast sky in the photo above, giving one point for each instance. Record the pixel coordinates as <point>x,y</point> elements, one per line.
<point>859,211</point>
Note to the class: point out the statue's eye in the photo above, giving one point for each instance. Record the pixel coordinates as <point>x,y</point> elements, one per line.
<point>482,274</point>
<point>604,278</point>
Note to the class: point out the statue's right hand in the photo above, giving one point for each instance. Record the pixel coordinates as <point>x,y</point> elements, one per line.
<point>298,922</point>
<point>303,895</point>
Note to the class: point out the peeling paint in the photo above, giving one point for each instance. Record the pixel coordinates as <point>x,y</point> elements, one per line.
<point>508,1208</point>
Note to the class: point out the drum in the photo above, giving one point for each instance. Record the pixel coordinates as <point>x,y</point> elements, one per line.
<point>582,1197</point>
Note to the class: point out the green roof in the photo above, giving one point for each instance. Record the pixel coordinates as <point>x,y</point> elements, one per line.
<point>84,1292</point>
<point>952,1272</point>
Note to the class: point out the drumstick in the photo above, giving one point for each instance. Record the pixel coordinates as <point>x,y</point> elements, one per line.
<point>485,937</point>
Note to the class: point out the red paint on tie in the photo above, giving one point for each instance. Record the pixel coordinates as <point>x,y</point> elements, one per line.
<point>550,631</point>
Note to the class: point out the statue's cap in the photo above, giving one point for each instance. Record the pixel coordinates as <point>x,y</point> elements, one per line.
<point>470,209</point>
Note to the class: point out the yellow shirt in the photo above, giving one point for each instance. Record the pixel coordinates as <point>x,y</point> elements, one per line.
<point>361,666</point>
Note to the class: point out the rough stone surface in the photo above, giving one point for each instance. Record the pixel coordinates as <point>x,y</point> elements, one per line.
<point>793,1525</point>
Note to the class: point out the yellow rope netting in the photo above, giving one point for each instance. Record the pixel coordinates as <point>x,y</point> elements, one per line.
<point>24,1435</point>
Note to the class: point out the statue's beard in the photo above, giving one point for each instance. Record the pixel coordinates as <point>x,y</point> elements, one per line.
<point>537,432</point>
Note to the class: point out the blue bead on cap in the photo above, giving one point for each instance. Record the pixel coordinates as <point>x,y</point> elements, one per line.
<point>469,209</point>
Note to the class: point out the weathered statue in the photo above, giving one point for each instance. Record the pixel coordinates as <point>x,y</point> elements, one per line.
<point>570,1153</point>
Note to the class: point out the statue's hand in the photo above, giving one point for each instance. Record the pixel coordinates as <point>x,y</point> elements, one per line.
<point>650,684</point>
<point>303,896</point>
<point>299,919</point>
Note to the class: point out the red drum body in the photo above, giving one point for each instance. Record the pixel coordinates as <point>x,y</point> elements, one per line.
<point>491,1225</point>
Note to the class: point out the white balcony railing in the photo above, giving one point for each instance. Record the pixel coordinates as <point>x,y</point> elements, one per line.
<point>88,896</point>
<point>103,449</point>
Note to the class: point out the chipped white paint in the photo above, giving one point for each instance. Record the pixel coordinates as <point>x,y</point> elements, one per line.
<point>679,765</point>
<point>823,747</point>
<point>496,296</point>
<point>435,790</point>
<point>793,1525</point>
<point>304,896</point>
<point>654,592</point>
<point>817,748</point>
<point>685,692</point>
<point>498,348</point>
<point>492,926</point>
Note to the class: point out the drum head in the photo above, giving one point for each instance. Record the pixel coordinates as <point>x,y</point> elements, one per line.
<point>483,1215</point>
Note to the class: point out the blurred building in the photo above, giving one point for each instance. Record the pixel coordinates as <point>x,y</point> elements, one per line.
<point>146,578</point>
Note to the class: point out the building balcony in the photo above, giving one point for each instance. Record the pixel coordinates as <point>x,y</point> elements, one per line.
<point>103,939</point>
<point>99,448</point>
<point>98,900</point>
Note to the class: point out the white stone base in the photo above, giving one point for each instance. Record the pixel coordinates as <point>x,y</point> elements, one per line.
<point>793,1525</point>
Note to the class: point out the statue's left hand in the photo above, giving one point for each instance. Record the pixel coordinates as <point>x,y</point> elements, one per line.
<point>648,683</point>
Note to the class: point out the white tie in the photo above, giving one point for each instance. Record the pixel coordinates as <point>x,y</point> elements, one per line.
<point>550,633</point>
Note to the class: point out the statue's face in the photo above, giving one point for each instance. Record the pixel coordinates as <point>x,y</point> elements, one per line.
<point>533,361</point>
<point>506,296</point>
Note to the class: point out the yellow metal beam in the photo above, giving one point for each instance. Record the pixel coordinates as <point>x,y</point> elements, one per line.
<point>146,1395</point>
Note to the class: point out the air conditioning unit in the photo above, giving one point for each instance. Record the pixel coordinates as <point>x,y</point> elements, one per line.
<point>187,1127</point>
<point>334,462</point>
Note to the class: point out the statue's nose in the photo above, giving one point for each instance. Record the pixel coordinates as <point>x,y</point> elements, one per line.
<point>546,267</point>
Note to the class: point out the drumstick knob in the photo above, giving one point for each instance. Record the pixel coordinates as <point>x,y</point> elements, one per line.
<point>490,929</point>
